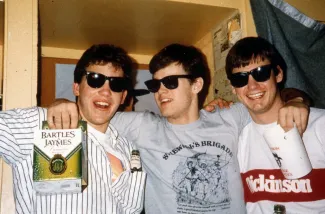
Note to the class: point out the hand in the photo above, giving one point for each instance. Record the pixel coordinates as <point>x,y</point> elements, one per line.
<point>221,103</point>
<point>63,114</point>
<point>294,111</point>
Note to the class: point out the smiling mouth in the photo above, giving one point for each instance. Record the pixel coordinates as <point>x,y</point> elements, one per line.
<point>256,96</point>
<point>101,105</point>
<point>166,100</point>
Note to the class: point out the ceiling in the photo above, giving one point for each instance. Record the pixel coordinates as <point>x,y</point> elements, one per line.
<point>139,26</point>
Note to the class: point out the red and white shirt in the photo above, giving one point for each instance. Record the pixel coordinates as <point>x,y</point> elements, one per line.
<point>263,181</point>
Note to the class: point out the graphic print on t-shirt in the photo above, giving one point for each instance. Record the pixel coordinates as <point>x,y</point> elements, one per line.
<point>201,183</point>
<point>277,158</point>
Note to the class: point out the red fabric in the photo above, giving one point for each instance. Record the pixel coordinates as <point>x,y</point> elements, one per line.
<point>272,185</point>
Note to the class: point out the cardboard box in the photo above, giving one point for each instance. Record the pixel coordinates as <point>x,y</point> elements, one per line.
<point>60,160</point>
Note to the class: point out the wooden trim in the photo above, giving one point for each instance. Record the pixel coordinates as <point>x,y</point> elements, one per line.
<point>142,67</point>
<point>47,93</point>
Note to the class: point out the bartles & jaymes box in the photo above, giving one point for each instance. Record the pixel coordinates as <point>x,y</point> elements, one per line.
<point>60,160</point>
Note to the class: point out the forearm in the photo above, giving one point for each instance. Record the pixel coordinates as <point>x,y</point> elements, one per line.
<point>295,110</point>
<point>293,94</point>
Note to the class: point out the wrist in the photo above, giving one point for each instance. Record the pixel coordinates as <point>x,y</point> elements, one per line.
<point>295,95</point>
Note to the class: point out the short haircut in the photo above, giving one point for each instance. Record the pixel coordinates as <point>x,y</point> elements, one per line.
<point>102,54</point>
<point>253,49</point>
<point>190,58</point>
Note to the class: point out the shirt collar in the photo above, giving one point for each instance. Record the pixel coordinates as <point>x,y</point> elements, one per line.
<point>110,136</point>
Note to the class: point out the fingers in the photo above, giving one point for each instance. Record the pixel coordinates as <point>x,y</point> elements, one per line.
<point>50,122</point>
<point>54,119</point>
<point>218,102</point>
<point>221,103</point>
<point>58,121</point>
<point>209,108</point>
<point>74,117</point>
<point>294,114</point>
<point>226,103</point>
<point>286,119</point>
<point>304,121</point>
<point>301,119</point>
<point>63,114</point>
<point>297,120</point>
<point>213,102</point>
<point>65,120</point>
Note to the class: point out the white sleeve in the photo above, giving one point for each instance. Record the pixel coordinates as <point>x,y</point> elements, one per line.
<point>319,129</point>
<point>17,132</point>
<point>237,115</point>
<point>128,124</point>
<point>129,191</point>
<point>240,115</point>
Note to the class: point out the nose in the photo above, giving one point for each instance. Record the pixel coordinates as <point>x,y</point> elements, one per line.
<point>105,89</point>
<point>162,88</point>
<point>252,83</point>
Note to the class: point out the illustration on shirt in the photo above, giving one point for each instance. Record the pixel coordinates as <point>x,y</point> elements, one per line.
<point>202,179</point>
<point>277,158</point>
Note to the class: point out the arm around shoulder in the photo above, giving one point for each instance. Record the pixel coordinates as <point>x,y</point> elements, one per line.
<point>239,113</point>
<point>128,123</point>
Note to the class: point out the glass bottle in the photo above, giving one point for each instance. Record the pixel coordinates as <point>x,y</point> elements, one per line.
<point>135,161</point>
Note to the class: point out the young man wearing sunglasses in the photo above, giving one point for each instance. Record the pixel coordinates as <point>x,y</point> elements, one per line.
<point>112,188</point>
<point>189,155</point>
<point>255,70</point>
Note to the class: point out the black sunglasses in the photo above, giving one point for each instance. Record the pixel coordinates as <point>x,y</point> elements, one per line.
<point>96,80</point>
<point>170,82</point>
<point>260,74</point>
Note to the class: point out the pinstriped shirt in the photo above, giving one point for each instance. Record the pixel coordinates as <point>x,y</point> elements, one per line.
<point>102,196</point>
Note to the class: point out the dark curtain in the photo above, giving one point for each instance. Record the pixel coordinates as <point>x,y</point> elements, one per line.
<point>301,42</point>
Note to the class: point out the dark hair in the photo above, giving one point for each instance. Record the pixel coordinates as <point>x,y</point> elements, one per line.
<point>103,54</point>
<point>253,49</point>
<point>190,58</point>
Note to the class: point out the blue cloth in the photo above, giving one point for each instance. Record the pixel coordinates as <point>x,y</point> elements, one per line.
<point>301,42</point>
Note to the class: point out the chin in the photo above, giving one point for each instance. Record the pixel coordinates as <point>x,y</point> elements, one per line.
<point>165,114</point>
<point>162,111</point>
<point>102,120</point>
<point>259,110</point>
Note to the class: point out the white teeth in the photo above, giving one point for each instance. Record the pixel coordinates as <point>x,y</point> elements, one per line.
<point>254,96</point>
<point>101,103</point>
<point>165,100</point>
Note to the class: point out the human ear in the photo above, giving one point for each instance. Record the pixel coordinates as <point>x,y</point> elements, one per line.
<point>198,85</point>
<point>124,94</point>
<point>76,89</point>
<point>279,77</point>
<point>233,89</point>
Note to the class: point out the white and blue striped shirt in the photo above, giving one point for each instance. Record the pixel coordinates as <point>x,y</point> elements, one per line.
<point>102,196</point>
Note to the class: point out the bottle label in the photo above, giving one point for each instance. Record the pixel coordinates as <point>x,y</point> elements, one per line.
<point>135,162</point>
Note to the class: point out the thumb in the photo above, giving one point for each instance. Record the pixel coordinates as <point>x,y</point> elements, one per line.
<point>209,108</point>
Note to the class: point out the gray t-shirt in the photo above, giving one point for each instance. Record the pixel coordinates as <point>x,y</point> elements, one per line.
<point>191,168</point>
